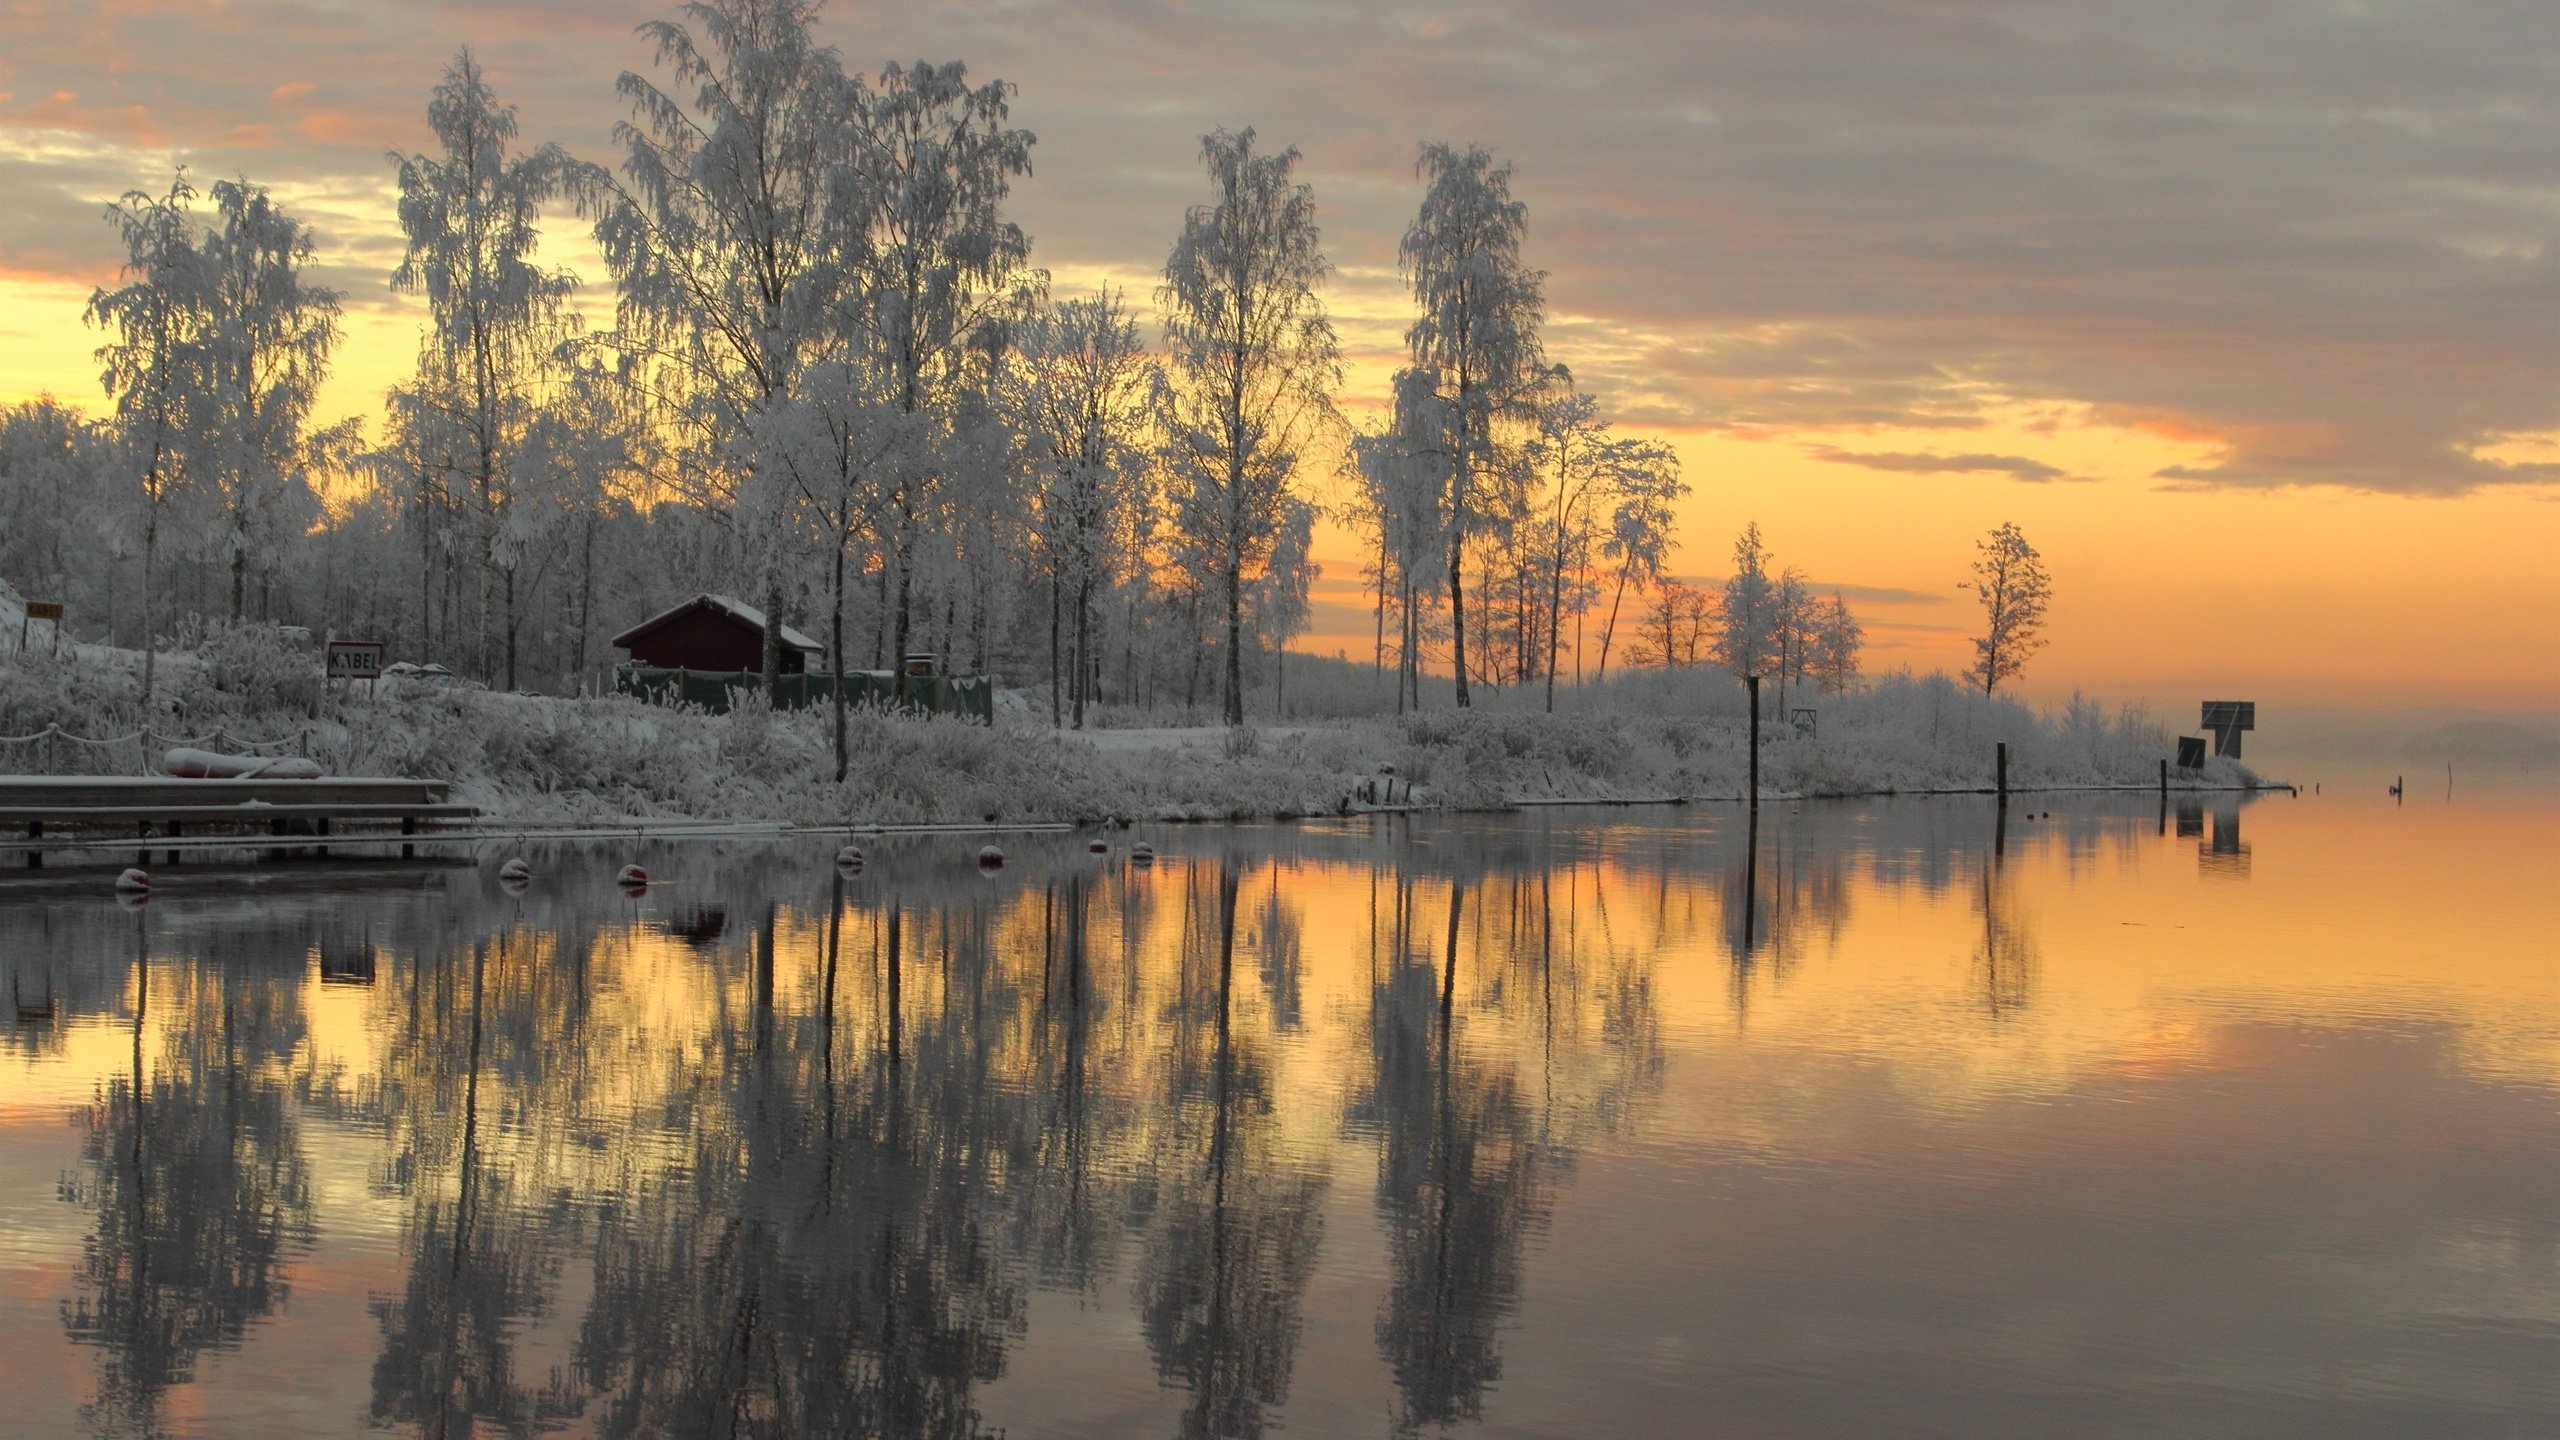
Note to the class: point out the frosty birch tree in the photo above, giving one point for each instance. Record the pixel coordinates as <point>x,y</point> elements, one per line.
<point>834,438</point>
<point>1254,360</point>
<point>1747,642</point>
<point>1083,401</point>
<point>1838,638</point>
<point>267,342</point>
<point>2009,577</point>
<point>1647,485</point>
<point>1791,630</point>
<point>725,240</point>
<point>1282,592</point>
<point>473,218</point>
<point>1404,476</point>
<point>1477,334</point>
<point>1585,467</point>
<point>933,163</point>
<point>588,444</point>
<point>155,366</point>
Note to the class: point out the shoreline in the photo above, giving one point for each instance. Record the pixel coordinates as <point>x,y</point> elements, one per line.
<point>691,828</point>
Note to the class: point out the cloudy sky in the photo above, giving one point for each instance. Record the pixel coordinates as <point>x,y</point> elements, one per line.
<point>2245,310</point>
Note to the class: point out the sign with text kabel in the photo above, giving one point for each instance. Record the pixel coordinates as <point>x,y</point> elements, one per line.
<point>355,659</point>
<point>45,610</point>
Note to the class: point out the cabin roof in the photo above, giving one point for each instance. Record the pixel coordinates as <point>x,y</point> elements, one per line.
<point>737,610</point>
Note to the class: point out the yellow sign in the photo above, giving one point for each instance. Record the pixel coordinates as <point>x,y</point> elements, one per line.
<point>45,610</point>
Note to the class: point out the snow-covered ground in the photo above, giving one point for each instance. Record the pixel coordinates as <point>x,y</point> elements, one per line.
<point>595,761</point>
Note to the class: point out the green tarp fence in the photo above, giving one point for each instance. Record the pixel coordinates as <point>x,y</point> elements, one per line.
<point>970,696</point>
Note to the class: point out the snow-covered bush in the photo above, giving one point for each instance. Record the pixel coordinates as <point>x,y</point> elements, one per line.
<point>252,669</point>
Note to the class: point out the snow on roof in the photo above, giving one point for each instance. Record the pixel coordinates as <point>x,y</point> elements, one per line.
<point>738,610</point>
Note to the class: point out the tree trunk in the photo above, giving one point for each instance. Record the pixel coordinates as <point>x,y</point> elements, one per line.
<point>1084,641</point>
<point>835,653</point>
<point>511,627</point>
<point>880,630</point>
<point>586,599</point>
<point>904,632</point>
<point>1458,619</point>
<point>1057,701</point>
<point>1609,631</point>
<point>1555,629</point>
<point>150,598</point>
<point>1379,658</point>
<point>772,630</point>
<point>1235,643</point>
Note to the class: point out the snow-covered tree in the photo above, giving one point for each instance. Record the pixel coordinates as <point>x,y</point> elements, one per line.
<point>2010,579</point>
<point>1280,600</point>
<point>1254,361</point>
<point>1676,626</point>
<point>1792,625</point>
<point>1083,393</point>
<point>156,368</point>
<point>725,235</point>
<point>1646,484</point>
<point>940,270</point>
<point>1838,638</point>
<point>1746,643</point>
<point>268,334</point>
<point>1404,493</point>
<point>585,452</point>
<point>473,217</point>
<point>1477,336</point>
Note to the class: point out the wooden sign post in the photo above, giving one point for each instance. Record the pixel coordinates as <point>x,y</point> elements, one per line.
<point>50,610</point>
<point>356,660</point>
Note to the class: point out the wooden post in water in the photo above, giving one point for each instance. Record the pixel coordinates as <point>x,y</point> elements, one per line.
<point>1753,681</point>
<point>2000,820</point>
<point>2164,781</point>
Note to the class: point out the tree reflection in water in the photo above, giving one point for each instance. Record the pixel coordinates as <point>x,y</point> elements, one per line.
<point>1468,1156</point>
<point>195,1176</point>
<point>1230,1215</point>
<point>803,1170</point>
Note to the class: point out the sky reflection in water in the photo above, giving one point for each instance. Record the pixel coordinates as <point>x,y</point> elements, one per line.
<point>2234,1122</point>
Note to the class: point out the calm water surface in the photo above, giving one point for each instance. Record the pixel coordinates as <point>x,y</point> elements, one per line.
<point>2243,1122</point>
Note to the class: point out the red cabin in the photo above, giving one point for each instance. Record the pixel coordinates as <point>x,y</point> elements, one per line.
<point>712,632</point>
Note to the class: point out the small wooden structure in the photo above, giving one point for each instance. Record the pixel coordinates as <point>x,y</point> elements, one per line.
<point>712,632</point>
<point>917,686</point>
<point>68,812</point>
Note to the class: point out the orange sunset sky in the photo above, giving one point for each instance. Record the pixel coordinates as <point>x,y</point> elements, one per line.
<point>2246,313</point>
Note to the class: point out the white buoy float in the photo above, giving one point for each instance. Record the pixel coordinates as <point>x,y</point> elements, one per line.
<point>1143,853</point>
<point>134,882</point>
<point>515,875</point>
<point>990,858</point>
<point>1098,847</point>
<point>632,875</point>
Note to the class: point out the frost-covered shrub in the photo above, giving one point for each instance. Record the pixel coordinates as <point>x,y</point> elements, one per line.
<point>253,669</point>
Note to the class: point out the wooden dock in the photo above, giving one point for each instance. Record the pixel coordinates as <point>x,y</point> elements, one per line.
<point>91,812</point>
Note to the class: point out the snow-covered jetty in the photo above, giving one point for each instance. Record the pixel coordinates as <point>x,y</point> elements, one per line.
<point>88,812</point>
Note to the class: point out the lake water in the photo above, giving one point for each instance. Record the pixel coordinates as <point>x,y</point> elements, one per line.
<point>2241,1122</point>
